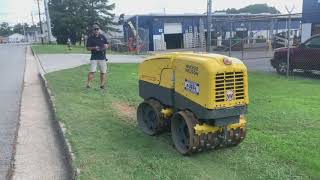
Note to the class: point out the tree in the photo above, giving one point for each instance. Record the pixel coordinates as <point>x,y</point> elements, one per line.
<point>253,9</point>
<point>18,28</point>
<point>5,29</point>
<point>64,19</point>
<point>71,18</point>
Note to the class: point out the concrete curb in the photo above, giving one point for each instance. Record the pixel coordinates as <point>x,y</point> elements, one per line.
<point>74,172</point>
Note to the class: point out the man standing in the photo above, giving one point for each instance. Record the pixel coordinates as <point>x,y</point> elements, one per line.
<point>97,44</point>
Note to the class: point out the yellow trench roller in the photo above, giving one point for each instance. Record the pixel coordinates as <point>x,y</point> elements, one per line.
<point>201,98</point>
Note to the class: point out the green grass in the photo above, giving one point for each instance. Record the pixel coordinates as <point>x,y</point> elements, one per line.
<point>282,142</point>
<point>76,49</point>
<point>58,49</point>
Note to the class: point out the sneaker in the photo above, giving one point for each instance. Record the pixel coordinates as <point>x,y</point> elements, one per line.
<point>88,86</point>
<point>102,87</point>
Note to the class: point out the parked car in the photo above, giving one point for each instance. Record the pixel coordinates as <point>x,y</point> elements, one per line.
<point>305,56</point>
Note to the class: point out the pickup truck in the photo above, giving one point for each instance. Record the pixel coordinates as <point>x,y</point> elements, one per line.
<point>305,56</point>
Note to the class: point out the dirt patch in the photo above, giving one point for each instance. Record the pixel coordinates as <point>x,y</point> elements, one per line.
<point>125,110</point>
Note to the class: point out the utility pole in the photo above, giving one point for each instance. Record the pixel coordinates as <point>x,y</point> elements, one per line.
<point>209,22</point>
<point>32,19</point>
<point>137,35</point>
<point>40,23</point>
<point>230,38</point>
<point>289,29</point>
<point>34,29</point>
<point>24,32</point>
<point>48,21</point>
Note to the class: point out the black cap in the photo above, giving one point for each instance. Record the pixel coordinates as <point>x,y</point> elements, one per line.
<point>95,26</point>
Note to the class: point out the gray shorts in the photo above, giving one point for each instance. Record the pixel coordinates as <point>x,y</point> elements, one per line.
<point>102,64</point>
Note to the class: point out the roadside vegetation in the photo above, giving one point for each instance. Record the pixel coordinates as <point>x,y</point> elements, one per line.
<point>282,142</point>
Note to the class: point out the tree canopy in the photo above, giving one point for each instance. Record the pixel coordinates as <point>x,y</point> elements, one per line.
<point>73,18</point>
<point>5,29</point>
<point>20,28</point>
<point>253,9</point>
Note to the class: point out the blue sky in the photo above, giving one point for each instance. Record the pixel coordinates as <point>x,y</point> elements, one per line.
<point>14,11</point>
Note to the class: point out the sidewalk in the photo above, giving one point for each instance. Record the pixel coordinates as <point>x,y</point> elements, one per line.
<point>38,151</point>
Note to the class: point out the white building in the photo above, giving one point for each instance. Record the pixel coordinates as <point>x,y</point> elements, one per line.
<point>16,38</point>
<point>310,19</point>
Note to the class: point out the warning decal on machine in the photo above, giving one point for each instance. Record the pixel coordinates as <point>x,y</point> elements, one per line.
<point>230,95</point>
<point>191,86</point>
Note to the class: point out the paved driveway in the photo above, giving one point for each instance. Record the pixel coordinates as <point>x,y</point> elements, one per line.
<point>12,65</point>
<point>255,61</point>
<point>55,62</point>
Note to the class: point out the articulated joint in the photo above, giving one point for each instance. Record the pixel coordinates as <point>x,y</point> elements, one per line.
<point>167,113</point>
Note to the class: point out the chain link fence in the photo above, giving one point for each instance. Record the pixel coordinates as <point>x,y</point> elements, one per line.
<point>266,55</point>
<point>131,42</point>
<point>274,46</point>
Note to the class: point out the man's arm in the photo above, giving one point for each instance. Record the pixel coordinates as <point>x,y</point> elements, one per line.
<point>90,45</point>
<point>91,48</point>
<point>106,43</point>
<point>101,48</point>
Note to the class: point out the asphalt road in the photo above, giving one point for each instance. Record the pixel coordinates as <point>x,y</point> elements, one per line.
<point>12,65</point>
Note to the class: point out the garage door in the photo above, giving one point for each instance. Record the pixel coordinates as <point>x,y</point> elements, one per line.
<point>306,31</point>
<point>172,28</point>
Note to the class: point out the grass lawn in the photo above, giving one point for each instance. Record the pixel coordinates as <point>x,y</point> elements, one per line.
<point>282,142</point>
<point>58,49</point>
<point>63,49</point>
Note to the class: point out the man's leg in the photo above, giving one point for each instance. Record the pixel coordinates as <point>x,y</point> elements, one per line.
<point>103,73</point>
<point>90,79</point>
<point>103,79</point>
<point>93,69</point>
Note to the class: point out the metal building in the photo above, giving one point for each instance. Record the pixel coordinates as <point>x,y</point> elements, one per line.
<point>162,32</point>
<point>310,18</point>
